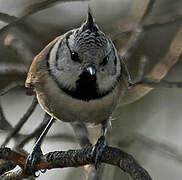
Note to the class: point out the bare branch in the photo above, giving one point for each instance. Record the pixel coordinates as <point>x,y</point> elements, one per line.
<point>26,137</point>
<point>147,26</point>
<point>167,18</point>
<point>11,86</point>
<point>132,44</point>
<point>159,71</point>
<point>7,18</point>
<point>156,83</point>
<point>36,132</point>
<point>21,121</point>
<point>19,47</point>
<point>76,158</point>
<point>147,22</point>
<point>165,148</point>
<point>148,10</point>
<point>140,12</point>
<point>13,68</point>
<point>32,9</point>
<point>141,69</point>
<point>4,124</point>
<point>36,7</point>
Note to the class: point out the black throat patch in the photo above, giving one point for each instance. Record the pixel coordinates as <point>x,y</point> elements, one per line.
<point>86,87</point>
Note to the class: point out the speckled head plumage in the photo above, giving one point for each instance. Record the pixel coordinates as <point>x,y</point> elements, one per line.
<point>89,36</point>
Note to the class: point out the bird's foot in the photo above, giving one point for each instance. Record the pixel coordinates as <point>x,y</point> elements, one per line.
<point>32,160</point>
<point>98,149</point>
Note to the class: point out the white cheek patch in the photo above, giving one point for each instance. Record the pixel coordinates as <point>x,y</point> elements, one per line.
<point>108,81</point>
<point>107,84</point>
<point>64,76</point>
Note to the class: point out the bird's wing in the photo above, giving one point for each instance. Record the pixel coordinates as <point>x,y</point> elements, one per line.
<point>38,65</point>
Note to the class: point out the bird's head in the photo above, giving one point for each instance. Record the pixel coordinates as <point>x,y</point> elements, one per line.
<point>85,62</point>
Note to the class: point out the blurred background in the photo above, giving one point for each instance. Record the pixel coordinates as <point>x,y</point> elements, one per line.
<point>150,128</point>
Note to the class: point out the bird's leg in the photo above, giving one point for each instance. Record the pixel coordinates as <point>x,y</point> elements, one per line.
<point>100,145</point>
<point>34,156</point>
<point>81,133</point>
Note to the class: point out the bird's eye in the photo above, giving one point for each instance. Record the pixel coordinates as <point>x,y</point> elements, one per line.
<point>105,61</point>
<point>75,57</point>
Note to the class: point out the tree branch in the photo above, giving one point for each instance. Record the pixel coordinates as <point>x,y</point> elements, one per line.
<point>32,9</point>
<point>11,86</point>
<point>27,137</point>
<point>76,158</point>
<point>36,7</point>
<point>13,68</point>
<point>19,47</point>
<point>164,147</point>
<point>4,124</point>
<point>159,71</point>
<point>21,121</point>
<point>7,18</point>
<point>140,13</point>
<point>157,83</point>
<point>35,133</point>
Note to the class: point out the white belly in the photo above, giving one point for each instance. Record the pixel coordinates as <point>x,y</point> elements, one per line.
<point>63,107</point>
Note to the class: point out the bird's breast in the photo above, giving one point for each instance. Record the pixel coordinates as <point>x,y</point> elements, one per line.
<point>64,107</point>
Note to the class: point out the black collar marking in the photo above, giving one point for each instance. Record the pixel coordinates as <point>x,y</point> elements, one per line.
<point>86,85</point>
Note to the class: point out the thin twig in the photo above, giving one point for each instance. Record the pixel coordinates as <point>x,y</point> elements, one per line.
<point>32,10</point>
<point>36,132</point>
<point>76,158</point>
<point>7,18</point>
<point>21,122</point>
<point>141,69</point>
<point>4,124</point>
<point>166,18</point>
<point>37,7</point>
<point>140,12</point>
<point>13,68</point>
<point>165,148</point>
<point>148,10</point>
<point>148,23</point>
<point>156,83</point>
<point>60,136</point>
<point>20,48</point>
<point>11,86</point>
<point>159,71</point>
<point>147,27</point>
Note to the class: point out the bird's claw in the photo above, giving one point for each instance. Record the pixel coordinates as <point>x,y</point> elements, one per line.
<point>32,159</point>
<point>98,149</point>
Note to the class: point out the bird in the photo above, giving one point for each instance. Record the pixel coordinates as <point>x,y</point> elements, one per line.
<point>78,77</point>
